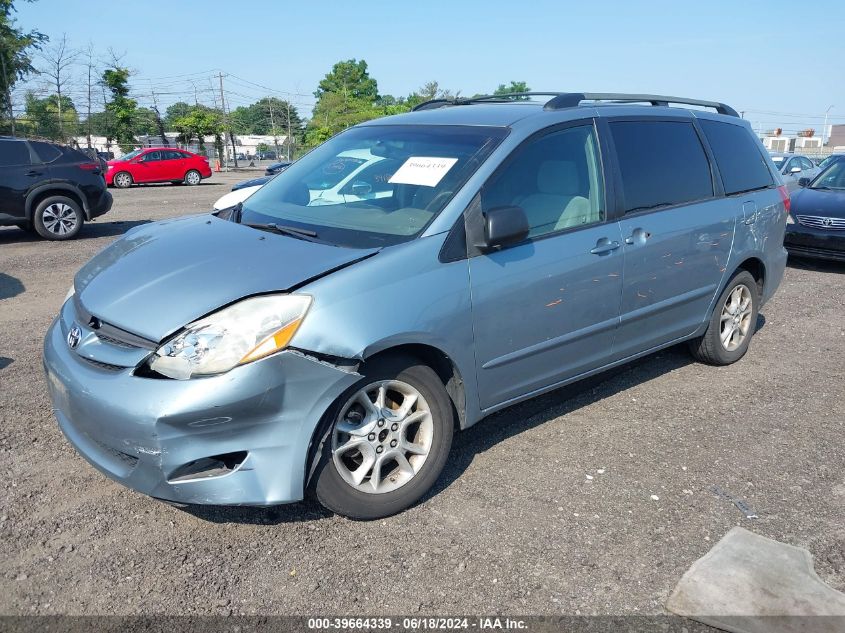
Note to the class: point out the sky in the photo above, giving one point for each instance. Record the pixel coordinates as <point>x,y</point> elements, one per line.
<point>781,62</point>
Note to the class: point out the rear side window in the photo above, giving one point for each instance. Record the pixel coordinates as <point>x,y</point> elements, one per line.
<point>662,163</point>
<point>13,153</point>
<point>741,164</point>
<point>46,152</point>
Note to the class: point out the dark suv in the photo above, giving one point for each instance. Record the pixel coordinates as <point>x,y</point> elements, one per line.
<point>49,188</point>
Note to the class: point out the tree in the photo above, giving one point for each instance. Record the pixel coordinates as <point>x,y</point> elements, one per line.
<point>198,123</point>
<point>56,63</point>
<point>514,86</point>
<point>351,79</point>
<point>121,108</point>
<point>16,50</point>
<point>52,117</point>
<point>144,122</point>
<point>176,111</point>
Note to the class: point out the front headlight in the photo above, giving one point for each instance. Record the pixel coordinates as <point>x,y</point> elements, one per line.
<point>243,332</point>
<point>789,219</point>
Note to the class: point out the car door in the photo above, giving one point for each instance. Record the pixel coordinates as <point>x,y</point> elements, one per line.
<point>18,175</point>
<point>546,309</point>
<point>677,236</point>
<point>809,168</point>
<point>149,168</point>
<point>172,165</point>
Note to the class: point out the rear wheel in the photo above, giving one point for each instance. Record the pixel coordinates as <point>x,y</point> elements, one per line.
<point>732,324</point>
<point>57,218</point>
<point>122,180</point>
<point>193,177</point>
<point>389,440</point>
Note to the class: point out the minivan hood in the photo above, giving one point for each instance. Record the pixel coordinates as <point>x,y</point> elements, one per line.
<point>158,278</point>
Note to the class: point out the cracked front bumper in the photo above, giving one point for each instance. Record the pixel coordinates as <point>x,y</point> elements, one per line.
<point>140,431</point>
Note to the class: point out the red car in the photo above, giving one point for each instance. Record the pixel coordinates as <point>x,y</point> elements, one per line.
<point>157,164</point>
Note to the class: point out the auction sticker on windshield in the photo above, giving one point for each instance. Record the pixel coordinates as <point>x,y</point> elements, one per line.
<point>422,170</point>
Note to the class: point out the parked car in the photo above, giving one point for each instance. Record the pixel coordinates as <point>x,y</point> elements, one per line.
<point>49,188</point>
<point>268,155</point>
<point>252,182</point>
<point>794,167</point>
<point>235,196</point>
<point>278,348</point>
<point>277,168</point>
<point>816,223</point>
<point>158,164</point>
<point>827,162</point>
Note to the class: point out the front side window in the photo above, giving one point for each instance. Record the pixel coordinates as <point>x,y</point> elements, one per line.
<point>662,163</point>
<point>131,154</point>
<point>152,156</point>
<point>13,153</point>
<point>555,179</point>
<point>375,185</point>
<point>806,163</point>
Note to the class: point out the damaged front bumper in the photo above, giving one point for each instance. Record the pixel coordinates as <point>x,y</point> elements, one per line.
<point>239,438</point>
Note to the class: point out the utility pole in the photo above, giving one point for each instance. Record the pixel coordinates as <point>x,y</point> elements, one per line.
<point>8,93</point>
<point>289,136</point>
<point>273,128</point>
<point>226,121</point>
<point>824,131</point>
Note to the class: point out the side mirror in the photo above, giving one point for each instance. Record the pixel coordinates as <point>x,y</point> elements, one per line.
<point>795,170</point>
<point>361,188</point>
<point>803,182</point>
<point>504,225</point>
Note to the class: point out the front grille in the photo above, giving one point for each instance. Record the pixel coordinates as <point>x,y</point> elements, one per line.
<point>116,342</point>
<point>105,366</point>
<point>820,222</point>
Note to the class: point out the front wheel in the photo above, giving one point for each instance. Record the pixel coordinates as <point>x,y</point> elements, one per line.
<point>732,324</point>
<point>122,180</point>
<point>193,177</point>
<point>389,440</point>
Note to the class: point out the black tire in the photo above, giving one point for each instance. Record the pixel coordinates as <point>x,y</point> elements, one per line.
<point>58,218</point>
<point>193,177</point>
<point>341,497</point>
<point>709,348</point>
<point>123,180</point>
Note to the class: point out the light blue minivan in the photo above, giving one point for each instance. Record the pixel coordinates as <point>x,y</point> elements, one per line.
<point>496,249</point>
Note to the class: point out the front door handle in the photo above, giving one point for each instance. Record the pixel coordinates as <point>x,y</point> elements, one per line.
<point>604,246</point>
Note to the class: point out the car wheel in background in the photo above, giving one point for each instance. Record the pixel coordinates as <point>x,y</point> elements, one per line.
<point>732,324</point>
<point>57,218</point>
<point>389,439</point>
<point>122,180</point>
<point>193,177</point>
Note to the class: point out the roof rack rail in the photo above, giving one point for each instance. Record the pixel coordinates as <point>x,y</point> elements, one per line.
<point>574,99</point>
<point>562,100</point>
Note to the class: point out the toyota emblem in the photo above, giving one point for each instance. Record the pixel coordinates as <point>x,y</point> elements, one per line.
<point>827,221</point>
<point>74,336</point>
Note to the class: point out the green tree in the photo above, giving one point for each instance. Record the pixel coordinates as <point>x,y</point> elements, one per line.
<point>16,50</point>
<point>121,109</point>
<point>144,122</point>
<point>45,118</point>
<point>351,79</point>
<point>176,111</point>
<point>198,123</point>
<point>514,86</point>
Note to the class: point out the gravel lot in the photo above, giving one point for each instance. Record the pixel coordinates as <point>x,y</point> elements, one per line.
<point>546,508</point>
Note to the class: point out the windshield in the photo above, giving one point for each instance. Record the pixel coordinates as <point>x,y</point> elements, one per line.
<point>831,178</point>
<point>131,155</point>
<point>375,185</point>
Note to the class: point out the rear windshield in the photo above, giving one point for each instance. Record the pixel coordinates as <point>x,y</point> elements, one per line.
<point>375,185</point>
<point>739,158</point>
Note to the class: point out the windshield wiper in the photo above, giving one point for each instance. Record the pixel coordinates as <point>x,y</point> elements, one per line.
<point>284,230</point>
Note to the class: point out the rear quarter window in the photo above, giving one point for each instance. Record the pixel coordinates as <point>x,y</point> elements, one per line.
<point>46,152</point>
<point>13,153</point>
<point>741,163</point>
<point>661,162</point>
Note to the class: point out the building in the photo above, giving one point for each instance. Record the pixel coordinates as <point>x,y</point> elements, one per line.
<point>837,135</point>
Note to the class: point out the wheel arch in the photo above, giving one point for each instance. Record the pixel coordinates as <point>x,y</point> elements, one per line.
<point>757,268</point>
<point>55,189</point>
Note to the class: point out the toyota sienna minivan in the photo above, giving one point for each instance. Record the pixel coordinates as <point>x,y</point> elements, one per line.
<point>279,349</point>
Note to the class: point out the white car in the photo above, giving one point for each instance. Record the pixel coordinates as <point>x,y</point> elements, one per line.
<point>348,179</point>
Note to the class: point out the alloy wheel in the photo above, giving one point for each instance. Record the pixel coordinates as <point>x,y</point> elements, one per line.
<point>59,218</point>
<point>735,321</point>
<point>382,437</point>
